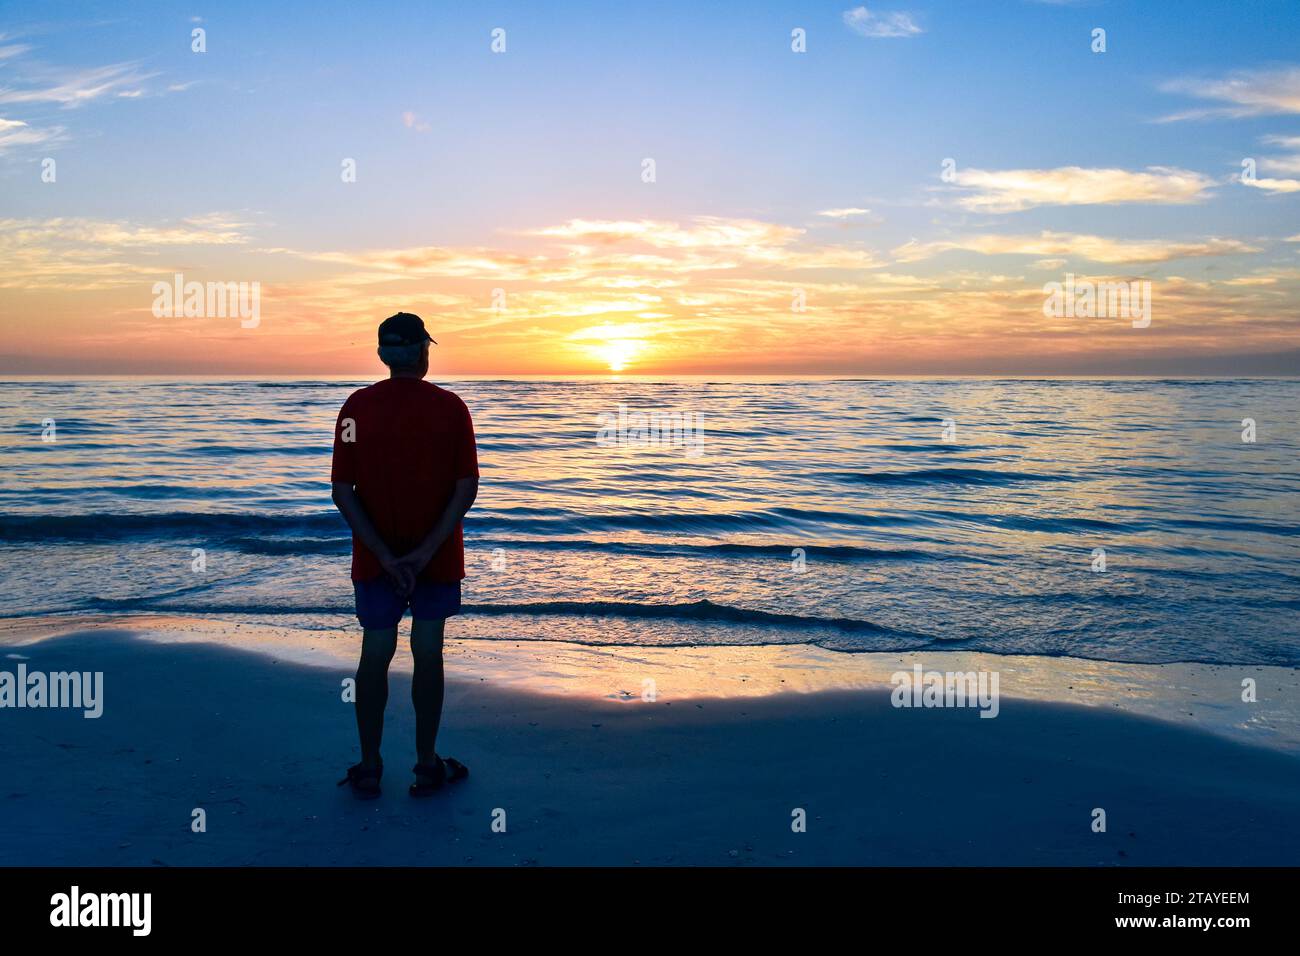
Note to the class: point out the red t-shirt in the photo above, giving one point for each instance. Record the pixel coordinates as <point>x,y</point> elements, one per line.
<point>410,441</point>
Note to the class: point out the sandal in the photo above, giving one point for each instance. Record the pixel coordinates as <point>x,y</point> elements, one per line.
<point>364,780</point>
<point>436,775</point>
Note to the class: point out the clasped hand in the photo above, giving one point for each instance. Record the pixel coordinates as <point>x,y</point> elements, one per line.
<point>405,570</point>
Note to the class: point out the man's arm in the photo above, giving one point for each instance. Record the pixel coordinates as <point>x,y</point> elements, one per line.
<point>462,499</point>
<point>346,500</point>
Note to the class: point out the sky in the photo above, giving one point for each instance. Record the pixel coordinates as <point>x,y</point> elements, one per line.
<point>668,188</point>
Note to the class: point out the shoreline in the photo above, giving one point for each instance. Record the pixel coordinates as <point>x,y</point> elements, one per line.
<point>253,732</point>
<point>1205,697</point>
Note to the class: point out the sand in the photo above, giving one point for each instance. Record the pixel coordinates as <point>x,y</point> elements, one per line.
<point>257,738</point>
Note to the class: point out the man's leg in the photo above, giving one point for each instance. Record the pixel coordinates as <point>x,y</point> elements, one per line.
<point>377,648</point>
<point>426,685</point>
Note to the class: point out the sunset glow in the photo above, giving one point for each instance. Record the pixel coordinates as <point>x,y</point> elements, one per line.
<point>531,243</point>
<point>714,435</point>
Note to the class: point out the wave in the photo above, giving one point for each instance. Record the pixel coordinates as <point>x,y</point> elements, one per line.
<point>699,611</point>
<point>834,634</point>
<point>795,525</point>
<point>298,546</point>
<point>99,527</point>
<point>942,447</point>
<point>945,476</point>
<point>1235,524</point>
<point>357,384</point>
<point>326,533</point>
<point>1050,525</point>
<point>320,450</point>
<point>844,552</point>
<point>703,610</point>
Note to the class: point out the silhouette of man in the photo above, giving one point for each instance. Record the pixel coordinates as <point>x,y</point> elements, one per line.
<point>405,472</point>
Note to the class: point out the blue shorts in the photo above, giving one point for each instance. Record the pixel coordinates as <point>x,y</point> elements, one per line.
<point>380,607</point>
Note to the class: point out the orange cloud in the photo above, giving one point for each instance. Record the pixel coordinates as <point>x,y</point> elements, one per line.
<point>1013,190</point>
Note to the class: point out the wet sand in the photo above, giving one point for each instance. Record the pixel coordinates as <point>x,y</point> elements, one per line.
<point>253,731</point>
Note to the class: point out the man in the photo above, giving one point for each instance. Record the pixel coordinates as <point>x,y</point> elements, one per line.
<point>405,473</point>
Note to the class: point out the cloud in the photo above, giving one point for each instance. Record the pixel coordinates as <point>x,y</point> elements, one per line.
<point>423,261</point>
<point>623,254</point>
<point>1274,185</point>
<point>76,88</point>
<point>199,231</point>
<point>880,25</point>
<point>602,333</point>
<point>79,254</point>
<point>1289,163</point>
<point>1253,280</point>
<point>223,224</point>
<point>1247,93</point>
<point>1013,190</point>
<point>14,133</point>
<point>1091,248</point>
<point>708,242</point>
<point>1285,164</point>
<point>849,213</point>
<point>706,232</point>
<point>411,121</point>
<point>681,296</point>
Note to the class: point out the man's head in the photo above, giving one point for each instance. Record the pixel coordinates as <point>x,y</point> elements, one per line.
<point>404,344</point>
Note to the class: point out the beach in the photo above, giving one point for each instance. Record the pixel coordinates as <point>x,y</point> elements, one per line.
<point>783,442</point>
<point>672,654</point>
<point>575,763</point>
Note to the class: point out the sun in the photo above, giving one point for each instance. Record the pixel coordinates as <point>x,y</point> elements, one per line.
<point>617,353</point>
<point>616,346</point>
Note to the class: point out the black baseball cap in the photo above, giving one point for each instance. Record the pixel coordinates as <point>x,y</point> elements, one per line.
<point>404,328</point>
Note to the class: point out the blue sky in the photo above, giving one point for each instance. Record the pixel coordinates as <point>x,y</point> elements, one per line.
<point>459,148</point>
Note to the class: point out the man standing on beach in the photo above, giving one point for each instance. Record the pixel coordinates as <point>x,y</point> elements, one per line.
<point>405,473</point>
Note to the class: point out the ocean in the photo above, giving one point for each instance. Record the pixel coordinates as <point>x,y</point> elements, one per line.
<point>1144,521</point>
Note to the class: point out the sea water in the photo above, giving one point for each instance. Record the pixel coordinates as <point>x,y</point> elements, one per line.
<point>1125,520</point>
